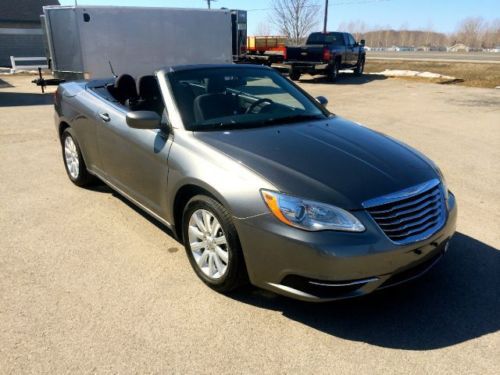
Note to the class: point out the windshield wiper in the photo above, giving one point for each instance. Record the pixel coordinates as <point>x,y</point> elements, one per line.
<point>254,124</point>
<point>293,118</point>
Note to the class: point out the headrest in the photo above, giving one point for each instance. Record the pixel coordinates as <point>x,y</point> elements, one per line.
<point>215,85</point>
<point>125,87</point>
<point>148,87</point>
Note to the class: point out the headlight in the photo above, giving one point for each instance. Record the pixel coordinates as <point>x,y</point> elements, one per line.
<point>309,215</point>
<point>443,182</point>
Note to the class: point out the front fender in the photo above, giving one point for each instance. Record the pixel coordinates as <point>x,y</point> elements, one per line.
<point>192,162</point>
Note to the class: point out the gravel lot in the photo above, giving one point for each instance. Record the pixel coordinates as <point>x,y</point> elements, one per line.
<point>88,284</point>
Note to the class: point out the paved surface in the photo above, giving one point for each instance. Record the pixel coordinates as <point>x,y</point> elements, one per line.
<point>90,285</point>
<point>476,57</point>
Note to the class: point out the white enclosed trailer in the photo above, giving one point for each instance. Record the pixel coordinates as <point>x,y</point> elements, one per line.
<point>84,40</point>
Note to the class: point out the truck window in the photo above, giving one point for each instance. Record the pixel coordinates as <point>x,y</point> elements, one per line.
<point>351,40</point>
<point>336,39</point>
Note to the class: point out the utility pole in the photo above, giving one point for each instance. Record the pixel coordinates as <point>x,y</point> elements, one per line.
<point>209,1</point>
<point>325,22</point>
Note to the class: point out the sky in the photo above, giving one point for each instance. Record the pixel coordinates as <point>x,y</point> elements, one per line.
<point>439,15</point>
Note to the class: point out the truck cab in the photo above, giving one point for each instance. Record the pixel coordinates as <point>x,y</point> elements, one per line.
<point>326,54</point>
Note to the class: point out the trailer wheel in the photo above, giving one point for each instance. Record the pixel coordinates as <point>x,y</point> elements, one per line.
<point>294,75</point>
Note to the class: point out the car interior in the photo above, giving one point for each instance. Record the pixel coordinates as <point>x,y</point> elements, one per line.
<point>214,96</point>
<point>144,95</point>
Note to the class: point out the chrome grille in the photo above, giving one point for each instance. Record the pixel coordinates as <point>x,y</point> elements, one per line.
<point>410,215</point>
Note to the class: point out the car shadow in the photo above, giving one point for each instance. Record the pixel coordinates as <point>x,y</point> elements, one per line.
<point>100,187</point>
<point>15,99</point>
<point>457,301</point>
<point>344,79</point>
<point>4,84</point>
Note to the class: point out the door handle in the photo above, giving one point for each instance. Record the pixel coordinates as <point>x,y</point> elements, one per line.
<point>104,117</point>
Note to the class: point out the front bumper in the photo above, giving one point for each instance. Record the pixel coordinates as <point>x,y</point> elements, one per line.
<point>328,265</point>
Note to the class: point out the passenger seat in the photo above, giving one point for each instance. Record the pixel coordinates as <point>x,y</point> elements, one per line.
<point>150,98</point>
<point>125,90</point>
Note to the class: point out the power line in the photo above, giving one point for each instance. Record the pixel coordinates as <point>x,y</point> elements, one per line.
<point>330,5</point>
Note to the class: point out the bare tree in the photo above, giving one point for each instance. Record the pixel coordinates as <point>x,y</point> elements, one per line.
<point>263,29</point>
<point>470,31</point>
<point>491,36</point>
<point>295,18</point>
<point>428,34</point>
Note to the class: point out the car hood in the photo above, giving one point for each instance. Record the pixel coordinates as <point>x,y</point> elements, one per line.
<point>333,161</point>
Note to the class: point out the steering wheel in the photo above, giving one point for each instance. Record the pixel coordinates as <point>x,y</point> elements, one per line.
<point>258,103</point>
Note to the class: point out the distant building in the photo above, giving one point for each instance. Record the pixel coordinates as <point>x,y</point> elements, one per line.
<point>20,29</point>
<point>400,49</point>
<point>393,49</point>
<point>458,47</point>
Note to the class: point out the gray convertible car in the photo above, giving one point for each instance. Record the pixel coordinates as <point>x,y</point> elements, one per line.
<point>258,180</point>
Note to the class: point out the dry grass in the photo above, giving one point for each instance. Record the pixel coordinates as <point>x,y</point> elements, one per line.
<point>468,74</point>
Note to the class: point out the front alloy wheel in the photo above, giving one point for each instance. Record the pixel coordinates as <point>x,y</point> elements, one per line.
<point>212,244</point>
<point>208,244</point>
<point>360,68</point>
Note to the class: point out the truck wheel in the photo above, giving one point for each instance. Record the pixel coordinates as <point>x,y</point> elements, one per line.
<point>333,73</point>
<point>294,75</point>
<point>212,244</point>
<point>73,160</point>
<point>360,68</point>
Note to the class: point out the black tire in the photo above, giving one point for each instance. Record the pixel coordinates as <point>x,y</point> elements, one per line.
<point>333,72</point>
<point>82,177</point>
<point>236,273</point>
<point>294,75</point>
<point>360,68</point>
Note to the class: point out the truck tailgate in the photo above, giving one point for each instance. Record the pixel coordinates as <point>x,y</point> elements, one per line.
<point>305,53</point>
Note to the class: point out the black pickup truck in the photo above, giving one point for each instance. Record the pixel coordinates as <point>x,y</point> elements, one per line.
<point>326,53</point>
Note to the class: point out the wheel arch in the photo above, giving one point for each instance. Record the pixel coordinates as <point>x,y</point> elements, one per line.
<point>63,125</point>
<point>184,194</point>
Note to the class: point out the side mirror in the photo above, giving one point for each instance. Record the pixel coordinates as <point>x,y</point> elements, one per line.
<point>322,100</point>
<point>143,120</point>
<point>362,42</point>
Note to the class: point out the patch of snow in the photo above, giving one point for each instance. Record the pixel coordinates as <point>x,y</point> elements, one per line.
<point>411,73</point>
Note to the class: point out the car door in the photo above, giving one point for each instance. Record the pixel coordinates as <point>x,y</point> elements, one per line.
<point>352,57</point>
<point>356,51</point>
<point>135,161</point>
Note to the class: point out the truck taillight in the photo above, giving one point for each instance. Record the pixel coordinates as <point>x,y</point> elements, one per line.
<point>284,54</point>
<point>327,55</point>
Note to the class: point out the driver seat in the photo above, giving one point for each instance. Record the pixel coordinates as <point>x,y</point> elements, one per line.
<point>215,103</point>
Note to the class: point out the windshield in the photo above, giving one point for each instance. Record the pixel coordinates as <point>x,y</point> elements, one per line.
<point>337,39</point>
<point>214,98</point>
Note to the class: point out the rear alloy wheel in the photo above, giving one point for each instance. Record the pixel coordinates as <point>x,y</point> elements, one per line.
<point>73,160</point>
<point>333,73</point>
<point>360,68</point>
<point>294,75</point>
<point>212,244</point>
